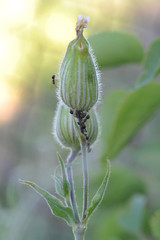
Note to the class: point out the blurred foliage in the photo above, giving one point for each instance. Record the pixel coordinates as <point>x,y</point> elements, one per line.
<point>135,109</point>
<point>118,193</point>
<point>114,48</point>
<point>155,224</point>
<point>151,64</point>
<point>129,183</point>
<point>122,222</point>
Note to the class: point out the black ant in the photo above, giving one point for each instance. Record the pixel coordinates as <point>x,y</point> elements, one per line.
<point>53,79</point>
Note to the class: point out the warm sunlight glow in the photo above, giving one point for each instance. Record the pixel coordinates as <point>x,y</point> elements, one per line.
<point>9,53</point>
<point>8,101</point>
<point>16,12</point>
<point>60,27</point>
<point>117,2</point>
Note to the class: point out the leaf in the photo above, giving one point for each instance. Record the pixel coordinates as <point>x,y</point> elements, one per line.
<point>108,114</point>
<point>135,109</point>
<point>151,64</point>
<point>56,206</point>
<point>115,48</point>
<point>59,185</point>
<point>124,221</point>
<point>129,183</point>
<point>132,218</point>
<point>64,182</point>
<point>155,224</point>
<point>98,197</point>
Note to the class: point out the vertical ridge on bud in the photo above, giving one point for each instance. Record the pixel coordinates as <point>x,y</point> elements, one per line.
<point>65,131</point>
<point>92,131</point>
<point>79,78</point>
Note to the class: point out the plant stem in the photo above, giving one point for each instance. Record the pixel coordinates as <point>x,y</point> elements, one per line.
<point>79,233</point>
<point>85,179</point>
<point>71,186</point>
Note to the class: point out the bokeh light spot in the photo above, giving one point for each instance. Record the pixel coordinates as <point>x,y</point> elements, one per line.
<point>60,27</point>
<point>8,101</point>
<point>16,12</point>
<point>9,53</point>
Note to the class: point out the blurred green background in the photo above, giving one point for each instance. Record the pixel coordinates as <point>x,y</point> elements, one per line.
<point>34,35</point>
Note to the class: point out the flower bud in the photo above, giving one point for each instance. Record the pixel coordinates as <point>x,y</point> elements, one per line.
<point>79,88</point>
<point>65,130</point>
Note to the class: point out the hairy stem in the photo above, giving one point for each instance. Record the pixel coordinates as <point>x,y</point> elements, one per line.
<point>71,186</point>
<point>85,179</point>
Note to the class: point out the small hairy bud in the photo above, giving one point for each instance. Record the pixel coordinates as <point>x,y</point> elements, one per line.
<point>79,87</point>
<point>65,130</point>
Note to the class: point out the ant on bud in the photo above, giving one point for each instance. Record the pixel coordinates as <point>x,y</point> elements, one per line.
<point>53,79</point>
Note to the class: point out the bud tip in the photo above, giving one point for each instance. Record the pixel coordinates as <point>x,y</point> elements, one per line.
<point>82,22</point>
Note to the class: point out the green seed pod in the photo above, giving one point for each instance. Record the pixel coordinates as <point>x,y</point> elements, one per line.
<point>65,131</point>
<point>79,77</point>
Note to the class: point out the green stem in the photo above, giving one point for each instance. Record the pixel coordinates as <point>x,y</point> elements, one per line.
<point>85,179</point>
<point>79,233</point>
<point>71,186</point>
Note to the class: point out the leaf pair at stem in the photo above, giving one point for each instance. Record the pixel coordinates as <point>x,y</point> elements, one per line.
<point>64,209</point>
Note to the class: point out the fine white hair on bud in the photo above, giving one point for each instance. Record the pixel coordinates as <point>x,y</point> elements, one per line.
<point>64,128</point>
<point>65,131</point>
<point>79,85</point>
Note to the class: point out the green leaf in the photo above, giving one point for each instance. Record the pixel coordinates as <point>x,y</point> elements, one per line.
<point>132,111</point>
<point>155,224</point>
<point>129,183</point>
<point>56,206</point>
<point>151,64</point>
<point>65,182</point>
<point>108,112</point>
<point>132,218</point>
<point>124,221</point>
<point>59,185</point>
<point>98,197</point>
<point>115,48</point>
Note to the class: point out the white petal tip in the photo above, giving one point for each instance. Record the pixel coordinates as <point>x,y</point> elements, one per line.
<point>82,22</point>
